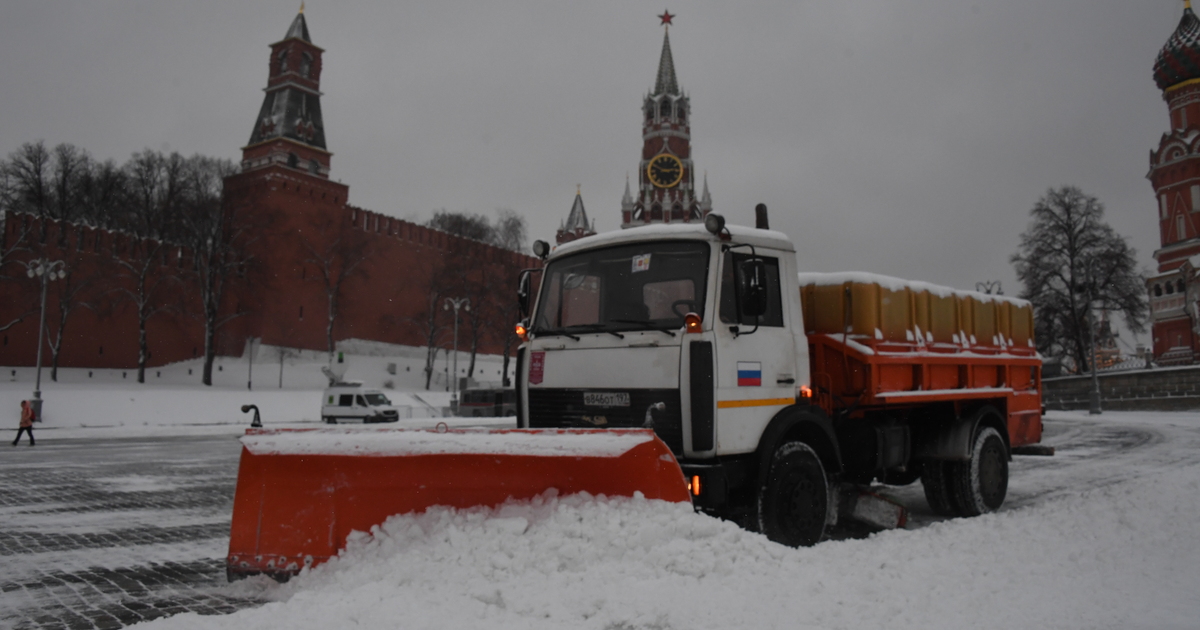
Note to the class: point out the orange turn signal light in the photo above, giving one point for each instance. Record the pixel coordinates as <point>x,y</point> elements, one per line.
<point>695,485</point>
<point>805,391</point>
<point>522,332</point>
<point>691,323</point>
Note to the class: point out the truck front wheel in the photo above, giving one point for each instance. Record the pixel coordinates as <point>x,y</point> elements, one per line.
<point>794,500</point>
<point>980,484</point>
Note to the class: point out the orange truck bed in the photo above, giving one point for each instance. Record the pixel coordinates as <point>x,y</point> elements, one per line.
<point>877,342</point>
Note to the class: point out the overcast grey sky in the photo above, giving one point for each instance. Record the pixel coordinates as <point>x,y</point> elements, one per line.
<point>908,138</point>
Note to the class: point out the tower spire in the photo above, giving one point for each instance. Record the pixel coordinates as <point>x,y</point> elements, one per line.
<point>289,129</point>
<point>666,83</point>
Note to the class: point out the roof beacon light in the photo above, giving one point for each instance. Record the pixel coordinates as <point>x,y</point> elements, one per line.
<point>541,249</point>
<point>691,323</point>
<point>522,331</point>
<point>714,223</point>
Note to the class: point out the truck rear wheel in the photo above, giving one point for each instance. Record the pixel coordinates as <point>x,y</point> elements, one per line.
<point>935,477</point>
<point>980,484</point>
<point>329,419</point>
<point>793,502</point>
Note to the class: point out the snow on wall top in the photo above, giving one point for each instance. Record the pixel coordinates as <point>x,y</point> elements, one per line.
<point>898,284</point>
<point>398,442</point>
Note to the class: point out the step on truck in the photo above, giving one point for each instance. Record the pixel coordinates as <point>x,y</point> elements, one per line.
<point>772,387</point>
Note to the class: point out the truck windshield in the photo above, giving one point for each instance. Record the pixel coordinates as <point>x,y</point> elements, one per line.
<point>629,287</point>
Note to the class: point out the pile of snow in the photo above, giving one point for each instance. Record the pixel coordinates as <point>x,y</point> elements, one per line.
<point>1117,556</point>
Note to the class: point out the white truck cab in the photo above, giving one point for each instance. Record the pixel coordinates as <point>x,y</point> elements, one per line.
<point>351,402</point>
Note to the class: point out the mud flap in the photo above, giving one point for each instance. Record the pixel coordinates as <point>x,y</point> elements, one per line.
<point>300,493</point>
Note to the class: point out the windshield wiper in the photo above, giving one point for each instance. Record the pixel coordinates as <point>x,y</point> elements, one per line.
<point>598,328</point>
<point>645,324</point>
<point>555,331</point>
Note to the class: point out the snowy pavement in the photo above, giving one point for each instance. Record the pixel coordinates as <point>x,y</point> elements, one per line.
<point>99,532</point>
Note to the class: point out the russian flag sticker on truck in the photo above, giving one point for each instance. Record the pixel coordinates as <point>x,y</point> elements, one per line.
<point>749,374</point>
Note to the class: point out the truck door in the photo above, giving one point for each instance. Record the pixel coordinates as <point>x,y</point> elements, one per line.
<point>755,362</point>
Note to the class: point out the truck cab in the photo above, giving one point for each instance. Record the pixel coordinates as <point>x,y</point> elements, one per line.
<point>695,333</point>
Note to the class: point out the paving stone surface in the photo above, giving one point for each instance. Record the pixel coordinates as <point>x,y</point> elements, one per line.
<point>101,534</point>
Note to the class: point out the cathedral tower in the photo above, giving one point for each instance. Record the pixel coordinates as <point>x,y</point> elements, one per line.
<point>1175,176</point>
<point>289,129</point>
<point>666,191</point>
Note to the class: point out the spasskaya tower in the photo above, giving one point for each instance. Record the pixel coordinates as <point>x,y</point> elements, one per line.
<point>666,191</point>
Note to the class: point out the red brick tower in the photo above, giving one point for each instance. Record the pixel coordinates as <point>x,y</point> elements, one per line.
<point>1175,176</point>
<point>666,190</point>
<point>285,196</point>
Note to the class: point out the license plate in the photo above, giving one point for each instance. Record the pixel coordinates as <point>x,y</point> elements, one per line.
<point>606,399</point>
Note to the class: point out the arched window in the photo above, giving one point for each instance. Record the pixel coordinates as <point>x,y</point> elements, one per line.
<point>656,212</point>
<point>681,112</point>
<point>1180,287</point>
<point>314,166</point>
<point>650,113</point>
<point>305,64</point>
<point>664,110</point>
<point>293,160</point>
<point>1170,288</point>
<point>1158,290</point>
<point>282,61</point>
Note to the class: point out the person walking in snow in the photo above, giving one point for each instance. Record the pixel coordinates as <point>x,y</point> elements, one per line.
<point>26,422</point>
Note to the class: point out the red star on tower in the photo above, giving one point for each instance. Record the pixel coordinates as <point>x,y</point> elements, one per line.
<point>666,17</point>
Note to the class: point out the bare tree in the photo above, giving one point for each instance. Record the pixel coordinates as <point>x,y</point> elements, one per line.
<point>217,241</point>
<point>145,284</point>
<point>77,289</point>
<point>1069,262</point>
<point>28,183</point>
<point>69,166</point>
<point>432,330</point>
<point>338,258</point>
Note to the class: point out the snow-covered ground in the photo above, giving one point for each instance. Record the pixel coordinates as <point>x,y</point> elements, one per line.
<point>1106,534</point>
<point>91,403</point>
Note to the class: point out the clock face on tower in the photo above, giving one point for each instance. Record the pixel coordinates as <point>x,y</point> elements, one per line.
<point>664,170</point>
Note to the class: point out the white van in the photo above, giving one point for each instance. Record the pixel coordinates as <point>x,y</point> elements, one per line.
<point>351,402</point>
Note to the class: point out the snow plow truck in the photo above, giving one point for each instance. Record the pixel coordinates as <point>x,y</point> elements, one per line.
<point>688,362</point>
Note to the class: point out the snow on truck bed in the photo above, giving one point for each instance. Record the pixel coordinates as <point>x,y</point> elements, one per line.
<point>1122,554</point>
<point>890,283</point>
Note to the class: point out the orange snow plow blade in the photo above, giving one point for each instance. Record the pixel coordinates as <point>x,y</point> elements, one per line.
<point>301,492</point>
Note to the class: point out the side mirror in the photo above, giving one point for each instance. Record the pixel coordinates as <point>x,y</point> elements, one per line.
<point>754,288</point>
<point>523,293</point>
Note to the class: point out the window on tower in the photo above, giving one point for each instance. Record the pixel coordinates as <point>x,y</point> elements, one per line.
<point>650,113</point>
<point>665,108</point>
<point>313,166</point>
<point>293,160</point>
<point>282,61</point>
<point>305,65</point>
<point>681,112</point>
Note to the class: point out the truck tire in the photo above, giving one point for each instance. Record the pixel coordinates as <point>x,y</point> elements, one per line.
<point>935,477</point>
<point>978,485</point>
<point>329,419</point>
<point>793,502</point>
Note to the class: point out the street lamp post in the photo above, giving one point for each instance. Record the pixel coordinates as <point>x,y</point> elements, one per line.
<point>457,303</point>
<point>47,270</point>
